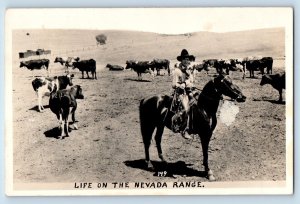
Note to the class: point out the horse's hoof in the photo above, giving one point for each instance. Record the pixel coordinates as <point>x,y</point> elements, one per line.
<point>162,158</point>
<point>149,165</point>
<point>210,176</point>
<point>75,127</point>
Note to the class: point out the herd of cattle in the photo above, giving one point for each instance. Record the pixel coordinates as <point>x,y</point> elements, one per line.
<point>62,99</point>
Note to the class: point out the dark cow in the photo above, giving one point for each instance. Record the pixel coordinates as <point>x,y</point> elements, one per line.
<point>277,81</point>
<point>115,67</point>
<point>258,64</point>
<point>200,67</point>
<point>233,65</point>
<point>140,67</point>
<point>251,65</point>
<point>266,62</point>
<point>45,85</point>
<point>214,63</point>
<point>86,66</point>
<point>210,62</point>
<point>36,64</point>
<point>60,103</point>
<point>66,61</point>
<point>220,65</point>
<point>159,64</point>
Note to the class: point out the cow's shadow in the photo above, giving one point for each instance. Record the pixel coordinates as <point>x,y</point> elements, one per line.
<point>55,133</point>
<point>36,108</point>
<point>143,80</point>
<point>170,169</point>
<point>90,78</point>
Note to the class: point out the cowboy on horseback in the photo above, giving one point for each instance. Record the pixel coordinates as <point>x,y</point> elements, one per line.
<point>183,87</point>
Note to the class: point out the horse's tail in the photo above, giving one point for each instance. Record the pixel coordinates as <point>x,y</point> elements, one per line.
<point>145,124</point>
<point>142,120</point>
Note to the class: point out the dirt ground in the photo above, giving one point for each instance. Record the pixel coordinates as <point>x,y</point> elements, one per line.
<point>108,145</point>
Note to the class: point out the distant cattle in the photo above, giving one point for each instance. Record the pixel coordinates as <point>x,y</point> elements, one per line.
<point>66,61</point>
<point>140,67</point>
<point>200,67</point>
<point>86,66</point>
<point>46,85</point>
<point>214,63</point>
<point>159,64</point>
<point>61,102</point>
<point>277,81</point>
<point>210,62</point>
<point>258,64</point>
<point>115,67</point>
<point>234,65</point>
<point>36,64</point>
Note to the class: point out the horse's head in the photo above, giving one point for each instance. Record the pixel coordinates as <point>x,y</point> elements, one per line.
<point>225,86</point>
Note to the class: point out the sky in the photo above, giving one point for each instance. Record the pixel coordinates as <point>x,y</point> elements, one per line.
<point>158,20</point>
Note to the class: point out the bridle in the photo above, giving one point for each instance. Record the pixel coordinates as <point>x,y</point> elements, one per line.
<point>228,87</point>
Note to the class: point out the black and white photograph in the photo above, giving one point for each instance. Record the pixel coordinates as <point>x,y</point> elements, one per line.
<point>149,101</point>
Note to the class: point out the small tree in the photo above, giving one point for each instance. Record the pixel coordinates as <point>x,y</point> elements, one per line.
<point>101,39</point>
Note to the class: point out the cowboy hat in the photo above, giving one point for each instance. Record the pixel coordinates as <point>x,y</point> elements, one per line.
<point>185,55</point>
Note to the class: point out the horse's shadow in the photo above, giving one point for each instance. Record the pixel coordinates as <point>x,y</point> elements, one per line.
<point>166,169</point>
<point>143,80</point>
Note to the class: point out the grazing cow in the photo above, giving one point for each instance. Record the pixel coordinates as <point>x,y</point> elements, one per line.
<point>66,61</point>
<point>60,103</point>
<point>86,66</point>
<point>159,64</point>
<point>277,81</point>
<point>140,67</point>
<point>36,64</point>
<point>114,67</point>
<point>45,85</point>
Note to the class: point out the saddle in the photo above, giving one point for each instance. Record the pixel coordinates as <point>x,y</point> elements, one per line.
<point>180,117</point>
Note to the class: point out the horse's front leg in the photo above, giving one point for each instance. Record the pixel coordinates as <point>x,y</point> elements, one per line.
<point>205,138</point>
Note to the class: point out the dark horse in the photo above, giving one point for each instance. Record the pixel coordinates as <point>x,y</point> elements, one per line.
<point>155,113</point>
